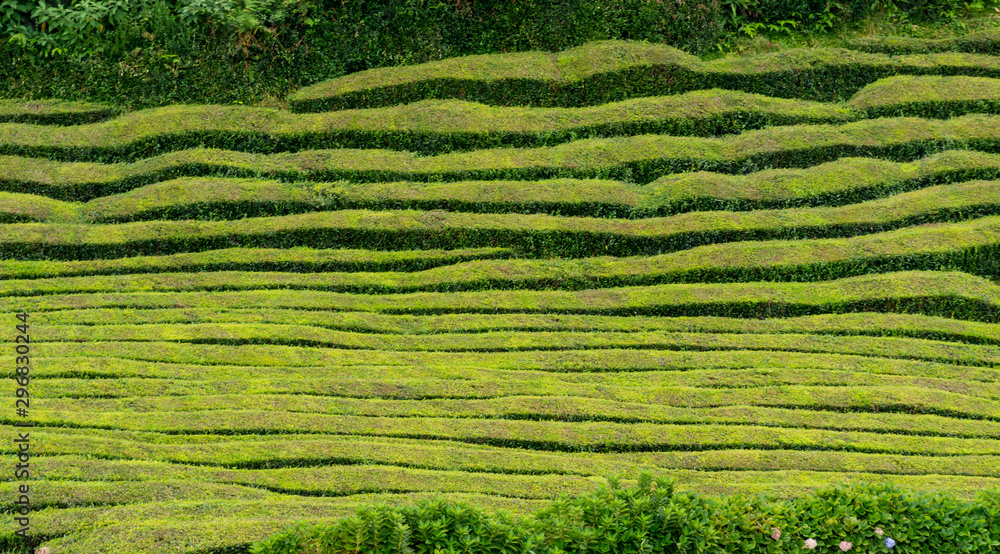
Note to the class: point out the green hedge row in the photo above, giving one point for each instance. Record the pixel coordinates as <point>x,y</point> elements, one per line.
<point>272,452</point>
<point>981,42</point>
<point>608,71</point>
<point>53,112</point>
<point>873,324</point>
<point>555,436</point>
<point>640,159</point>
<point>532,235</point>
<point>843,181</point>
<point>220,525</point>
<point>512,341</point>
<point>971,246</point>
<point>254,259</point>
<point>435,127</point>
<point>482,375</point>
<point>329,480</point>
<point>652,517</point>
<point>939,293</point>
<point>791,406</point>
<point>427,127</point>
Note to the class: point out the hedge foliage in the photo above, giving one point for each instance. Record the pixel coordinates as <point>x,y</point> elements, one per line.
<point>432,127</point>
<point>609,71</point>
<point>981,42</point>
<point>840,182</point>
<point>969,246</point>
<point>875,324</point>
<point>652,517</point>
<point>941,293</point>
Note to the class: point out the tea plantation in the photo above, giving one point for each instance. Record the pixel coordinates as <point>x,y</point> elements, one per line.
<point>499,279</point>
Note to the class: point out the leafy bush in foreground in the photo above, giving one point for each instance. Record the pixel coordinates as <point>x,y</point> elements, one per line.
<point>651,517</point>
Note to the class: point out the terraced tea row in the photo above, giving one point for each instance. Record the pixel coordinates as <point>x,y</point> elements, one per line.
<point>53,112</point>
<point>865,324</point>
<point>506,341</point>
<point>969,246</point>
<point>605,71</point>
<point>792,406</point>
<point>441,126</point>
<point>541,235</point>
<point>641,159</point>
<point>942,293</point>
<point>837,183</point>
<point>208,524</point>
<point>291,332</point>
<point>298,259</point>
<point>268,452</point>
<point>579,373</point>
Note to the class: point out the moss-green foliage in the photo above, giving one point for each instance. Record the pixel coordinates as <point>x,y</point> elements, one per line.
<point>544,235</point>
<point>584,373</point>
<point>905,348</point>
<point>928,96</point>
<point>875,324</point>
<point>943,293</point>
<point>277,451</point>
<point>201,198</point>
<point>839,182</point>
<point>982,42</point>
<point>53,112</point>
<point>969,246</point>
<point>431,126</point>
<point>606,71</point>
<point>440,126</point>
<point>381,348</point>
<point>298,259</point>
<point>835,183</point>
<point>843,181</point>
<point>548,435</point>
<point>790,406</point>
<point>640,159</point>
<point>213,525</point>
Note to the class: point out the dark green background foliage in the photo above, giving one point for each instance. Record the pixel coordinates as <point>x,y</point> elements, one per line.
<point>143,53</point>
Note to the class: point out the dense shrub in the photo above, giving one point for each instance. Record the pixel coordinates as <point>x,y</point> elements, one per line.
<point>652,517</point>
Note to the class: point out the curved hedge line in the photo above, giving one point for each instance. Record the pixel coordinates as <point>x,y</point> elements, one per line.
<point>426,127</point>
<point>849,407</point>
<point>440,126</point>
<point>982,42</point>
<point>873,324</point>
<point>532,235</point>
<point>939,293</point>
<point>972,247</point>
<point>640,159</point>
<point>836,183</point>
<point>264,452</point>
<point>254,259</point>
<point>53,112</point>
<point>607,71</point>
<point>297,335</point>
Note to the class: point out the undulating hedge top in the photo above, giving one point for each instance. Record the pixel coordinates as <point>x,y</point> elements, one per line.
<point>980,42</point>
<point>941,293</point>
<point>897,91</point>
<point>53,112</point>
<point>613,70</point>
<point>970,246</point>
<point>697,112</point>
<point>640,159</point>
<point>439,126</point>
<point>844,181</point>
